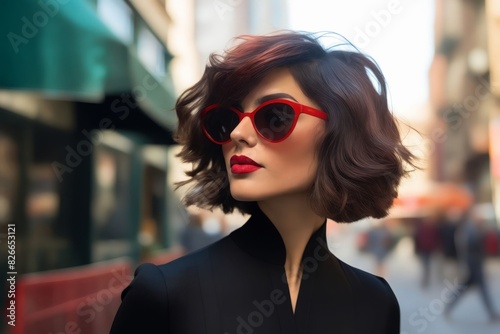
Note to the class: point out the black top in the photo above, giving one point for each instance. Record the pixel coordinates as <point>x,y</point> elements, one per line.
<point>238,286</point>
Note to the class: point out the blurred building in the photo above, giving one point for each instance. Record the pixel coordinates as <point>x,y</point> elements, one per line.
<point>199,28</point>
<point>86,120</point>
<point>87,89</point>
<point>462,97</point>
<point>493,26</point>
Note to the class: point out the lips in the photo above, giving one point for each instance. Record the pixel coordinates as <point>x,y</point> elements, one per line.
<point>241,164</point>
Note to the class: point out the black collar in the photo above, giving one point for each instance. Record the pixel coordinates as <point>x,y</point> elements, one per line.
<point>260,238</point>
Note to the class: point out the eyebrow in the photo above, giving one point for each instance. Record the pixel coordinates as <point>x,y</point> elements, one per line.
<point>266,98</point>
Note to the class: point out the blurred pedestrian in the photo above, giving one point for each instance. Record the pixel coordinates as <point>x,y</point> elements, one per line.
<point>426,243</point>
<point>471,253</point>
<point>379,244</point>
<point>447,225</point>
<point>448,220</point>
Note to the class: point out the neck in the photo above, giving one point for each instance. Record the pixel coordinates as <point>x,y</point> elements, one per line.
<point>296,222</point>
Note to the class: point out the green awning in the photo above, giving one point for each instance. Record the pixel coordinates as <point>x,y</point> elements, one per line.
<point>62,49</point>
<point>158,98</point>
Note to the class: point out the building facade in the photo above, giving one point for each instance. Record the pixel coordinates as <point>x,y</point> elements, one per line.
<point>462,97</point>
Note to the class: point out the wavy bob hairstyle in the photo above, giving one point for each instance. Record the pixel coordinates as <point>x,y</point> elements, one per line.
<point>361,158</point>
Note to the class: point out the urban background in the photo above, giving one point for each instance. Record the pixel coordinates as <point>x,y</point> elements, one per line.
<point>87,159</point>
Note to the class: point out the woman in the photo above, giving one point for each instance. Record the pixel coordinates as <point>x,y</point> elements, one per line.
<point>293,134</point>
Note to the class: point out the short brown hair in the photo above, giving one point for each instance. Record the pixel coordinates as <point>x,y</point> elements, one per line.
<point>361,157</point>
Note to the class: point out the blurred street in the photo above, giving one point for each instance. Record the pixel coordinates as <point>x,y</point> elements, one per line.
<point>422,309</point>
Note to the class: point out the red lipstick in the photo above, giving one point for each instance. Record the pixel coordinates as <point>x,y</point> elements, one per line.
<point>241,164</point>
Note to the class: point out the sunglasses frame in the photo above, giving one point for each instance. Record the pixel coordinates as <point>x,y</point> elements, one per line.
<point>297,110</point>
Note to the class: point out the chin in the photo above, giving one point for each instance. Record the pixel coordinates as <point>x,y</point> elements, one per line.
<point>245,197</point>
<point>247,194</point>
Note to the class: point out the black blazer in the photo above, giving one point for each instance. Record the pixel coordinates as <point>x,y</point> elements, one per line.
<point>238,286</point>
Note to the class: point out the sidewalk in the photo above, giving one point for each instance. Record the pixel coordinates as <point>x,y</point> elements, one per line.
<point>422,309</point>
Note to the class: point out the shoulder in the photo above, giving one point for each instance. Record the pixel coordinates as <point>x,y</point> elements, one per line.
<point>144,302</point>
<point>189,264</point>
<point>366,281</point>
<point>156,291</point>
<point>148,285</point>
<point>377,299</point>
<point>181,277</point>
<point>369,284</point>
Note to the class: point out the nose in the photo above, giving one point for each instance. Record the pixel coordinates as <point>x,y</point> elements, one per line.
<point>244,132</point>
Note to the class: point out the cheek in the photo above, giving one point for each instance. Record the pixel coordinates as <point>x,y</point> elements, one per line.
<point>302,152</point>
<point>298,159</point>
<point>302,146</point>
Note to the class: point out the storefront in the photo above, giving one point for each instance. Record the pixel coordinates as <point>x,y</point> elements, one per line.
<point>78,109</point>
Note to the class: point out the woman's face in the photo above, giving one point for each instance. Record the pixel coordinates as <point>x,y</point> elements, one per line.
<point>284,168</point>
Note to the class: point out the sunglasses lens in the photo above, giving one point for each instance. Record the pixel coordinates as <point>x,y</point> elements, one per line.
<point>219,123</point>
<point>274,121</point>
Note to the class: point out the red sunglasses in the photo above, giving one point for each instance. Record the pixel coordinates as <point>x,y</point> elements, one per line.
<point>273,120</point>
